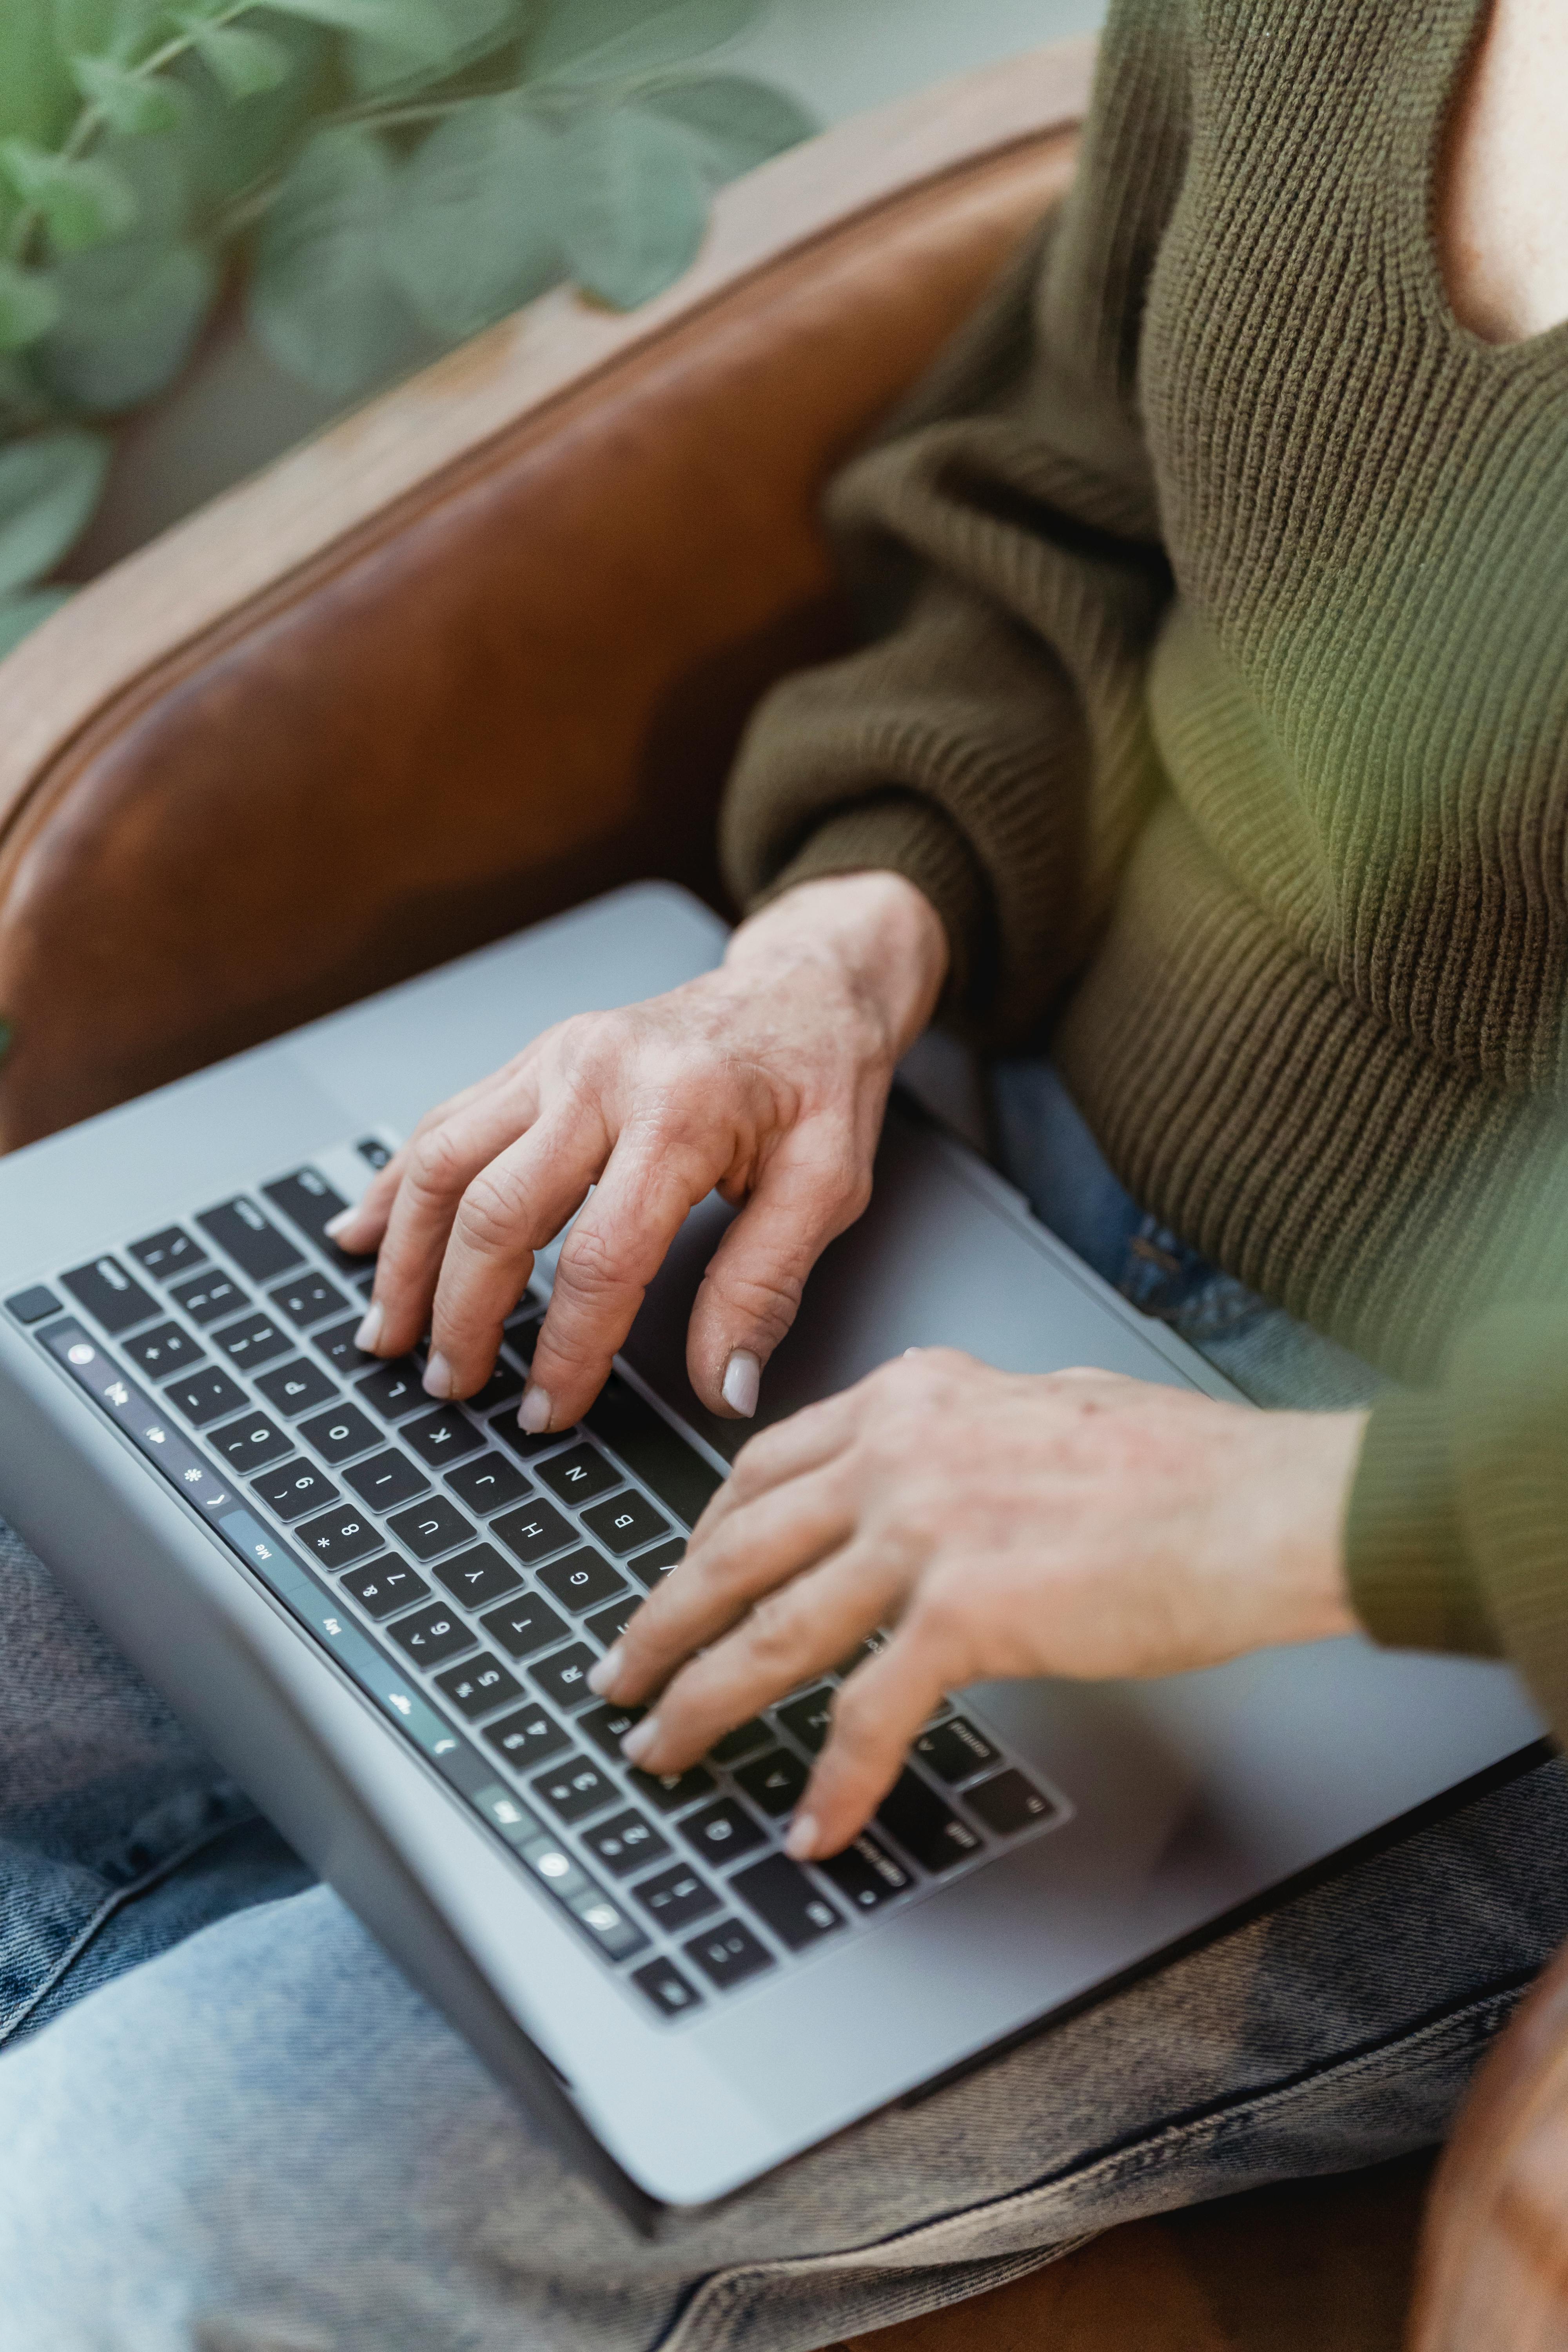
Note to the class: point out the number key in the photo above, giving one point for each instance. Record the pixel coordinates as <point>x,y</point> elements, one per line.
<point>253,1443</point>
<point>294,1488</point>
<point>575,1788</point>
<point>386,1585</point>
<point>626,1843</point>
<point>483,1683</point>
<point>339,1537</point>
<point>431,1634</point>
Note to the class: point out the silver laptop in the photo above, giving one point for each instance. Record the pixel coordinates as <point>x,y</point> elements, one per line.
<point>380,1614</point>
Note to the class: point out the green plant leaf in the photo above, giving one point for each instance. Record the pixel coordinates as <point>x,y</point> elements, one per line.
<point>50,486</point>
<point>416,26</point>
<point>474,29</point>
<point>243,64</point>
<point>29,306</point>
<point>19,616</point>
<point>473,236</point>
<point>129,102</point>
<point>630,206</point>
<point>323,300</point>
<point>83,202</point>
<point>130,314</point>
<point>36,97</point>
<point>733,122</point>
<point>614,40</point>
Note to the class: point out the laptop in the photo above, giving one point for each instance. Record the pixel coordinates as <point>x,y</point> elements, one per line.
<point>380,1613</point>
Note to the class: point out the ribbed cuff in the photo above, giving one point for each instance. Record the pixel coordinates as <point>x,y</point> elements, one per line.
<point>899,832</point>
<point>1411,1575</point>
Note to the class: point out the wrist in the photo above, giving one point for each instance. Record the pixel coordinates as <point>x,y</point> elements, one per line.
<point>874,934</point>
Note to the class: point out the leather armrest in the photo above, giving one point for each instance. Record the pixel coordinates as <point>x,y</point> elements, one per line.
<point>485,647</point>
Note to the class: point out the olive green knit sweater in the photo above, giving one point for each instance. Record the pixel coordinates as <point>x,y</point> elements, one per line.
<point>1218,699</point>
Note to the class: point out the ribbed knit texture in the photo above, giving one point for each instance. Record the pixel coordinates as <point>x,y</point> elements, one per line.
<point>1217,696</point>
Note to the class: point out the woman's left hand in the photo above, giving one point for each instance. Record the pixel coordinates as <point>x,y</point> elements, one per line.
<point>999,1524</point>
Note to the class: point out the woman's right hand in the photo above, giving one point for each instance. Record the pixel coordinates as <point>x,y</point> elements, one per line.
<point>766,1079</point>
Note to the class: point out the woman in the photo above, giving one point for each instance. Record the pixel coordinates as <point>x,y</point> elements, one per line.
<point>1215,724</point>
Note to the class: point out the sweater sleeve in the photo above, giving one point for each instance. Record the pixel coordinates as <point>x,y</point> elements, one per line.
<point>1002,539</point>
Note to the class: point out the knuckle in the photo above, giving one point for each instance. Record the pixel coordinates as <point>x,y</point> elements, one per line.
<point>490,1212</point>
<point>859,1722</point>
<point>436,1168</point>
<point>774,1630</point>
<point>597,1265</point>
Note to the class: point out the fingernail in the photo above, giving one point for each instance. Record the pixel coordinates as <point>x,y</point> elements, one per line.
<point>369,1333</point>
<point>640,1738</point>
<point>534,1415</point>
<point>438,1380</point>
<point>801,1843</point>
<point>607,1673</point>
<point>340,1224</point>
<point>742,1383</point>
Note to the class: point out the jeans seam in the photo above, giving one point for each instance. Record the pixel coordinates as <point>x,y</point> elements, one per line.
<point>118,1900</point>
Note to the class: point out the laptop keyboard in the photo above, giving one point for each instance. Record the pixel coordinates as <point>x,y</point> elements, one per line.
<point>467,1577</point>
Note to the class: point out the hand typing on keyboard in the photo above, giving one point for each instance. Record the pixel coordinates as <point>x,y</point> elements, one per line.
<point>1003,1524</point>
<point>766,1079</point>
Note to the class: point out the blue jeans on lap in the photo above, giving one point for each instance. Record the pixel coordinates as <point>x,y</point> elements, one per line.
<point>228,2125</point>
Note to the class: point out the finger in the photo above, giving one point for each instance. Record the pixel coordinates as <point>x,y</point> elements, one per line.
<point>786,1531</point>
<point>877,1716</point>
<point>359,1229</point>
<point>808,1193</point>
<point>805,1441</point>
<point>616,1246</point>
<point>794,1634</point>
<point>440,1166</point>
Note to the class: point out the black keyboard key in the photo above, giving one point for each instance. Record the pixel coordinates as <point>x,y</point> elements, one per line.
<point>205,1396</point>
<point>505,1381</point>
<point>625,1524</point>
<point>671,1791</point>
<point>1009,1803</point>
<point>564,1676</point>
<point>488,1484</point>
<point>776,1782</point>
<point>432,1528</point>
<point>252,1443</point>
<point>478,1577</point>
<point>574,1789</point>
<point>110,1296</point>
<point>503,1427</point>
<point>254,1339</point>
<point>483,1683</point>
<point>307,1200</point>
<point>525,1625</point>
<point>626,1843</point>
<point>580,1474</point>
<point>865,1874</point>
<point>167,1255</point>
<point>344,1431</point>
<point>650,1567</point>
<point>338,1538</point>
<point>385,1480</point>
<point>955,1750</point>
<point>807,1718</point>
<point>723,1832</point>
<point>582,1579</point>
<point>786,1900</point>
<point>208,1297</point>
<point>610,1624</point>
<point>337,1344</point>
<point>662,1983</point>
<point>925,1826</point>
<point>34,1306</point>
<point>294,1488</point>
<point>606,1727</point>
<point>307,1298</point>
<point>375,1154</point>
<point>526,1738</point>
<point>394,1390</point>
<point>743,1741</point>
<point>534,1531</point>
<point>432,1634</point>
<point>661,1458</point>
<point>727,1954</point>
<point>243,1234</point>
<point>163,1351</point>
<point>442,1437</point>
<point>386,1585</point>
<point>296,1387</point>
<point>677,1898</point>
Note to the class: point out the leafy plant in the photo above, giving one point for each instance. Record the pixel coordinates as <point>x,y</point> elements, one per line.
<point>388,177</point>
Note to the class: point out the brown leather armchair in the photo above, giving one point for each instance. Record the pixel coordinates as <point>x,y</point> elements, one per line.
<point>483,649</point>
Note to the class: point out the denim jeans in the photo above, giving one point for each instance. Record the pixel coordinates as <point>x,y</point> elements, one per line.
<point>228,2125</point>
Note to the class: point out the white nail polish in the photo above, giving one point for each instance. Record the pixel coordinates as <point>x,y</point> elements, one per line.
<point>607,1673</point>
<point>369,1332</point>
<point>340,1224</point>
<point>438,1379</point>
<point>742,1383</point>
<point>534,1415</point>
<point>640,1738</point>
<point>801,1843</point>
